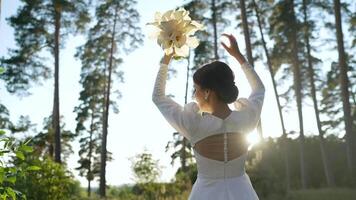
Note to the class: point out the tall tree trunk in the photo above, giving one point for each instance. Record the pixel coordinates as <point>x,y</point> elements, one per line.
<point>56,114</point>
<point>184,142</point>
<point>326,163</point>
<point>213,11</point>
<point>90,175</point>
<point>248,49</point>
<point>284,135</point>
<point>298,93</point>
<point>89,189</point>
<point>102,185</point>
<point>344,82</point>
<point>246,32</point>
<point>51,150</point>
<point>0,9</point>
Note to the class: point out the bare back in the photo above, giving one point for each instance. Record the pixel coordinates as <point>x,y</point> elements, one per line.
<point>212,147</point>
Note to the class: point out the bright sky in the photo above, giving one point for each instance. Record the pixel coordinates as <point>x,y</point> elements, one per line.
<point>139,125</point>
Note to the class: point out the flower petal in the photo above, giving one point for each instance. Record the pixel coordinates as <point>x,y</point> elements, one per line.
<point>192,42</point>
<point>179,40</point>
<point>198,25</point>
<point>154,34</point>
<point>182,51</point>
<point>174,31</point>
<point>158,17</point>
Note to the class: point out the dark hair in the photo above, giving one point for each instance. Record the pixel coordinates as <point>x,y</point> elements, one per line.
<point>218,77</point>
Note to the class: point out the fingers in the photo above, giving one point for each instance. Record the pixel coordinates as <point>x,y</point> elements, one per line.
<point>230,36</point>
<point>227,35</point>
<point>224,45</point>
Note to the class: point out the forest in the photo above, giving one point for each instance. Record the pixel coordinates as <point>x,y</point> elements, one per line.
<point>290,37</point>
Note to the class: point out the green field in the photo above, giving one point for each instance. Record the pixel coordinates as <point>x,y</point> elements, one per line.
<point>311,194</point>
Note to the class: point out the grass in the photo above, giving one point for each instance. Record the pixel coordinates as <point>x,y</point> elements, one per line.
<point>310,194</point>
<point>324,194</point>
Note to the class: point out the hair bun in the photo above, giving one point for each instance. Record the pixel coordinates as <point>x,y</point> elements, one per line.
<point>219,77</point>
<point>228,94</point>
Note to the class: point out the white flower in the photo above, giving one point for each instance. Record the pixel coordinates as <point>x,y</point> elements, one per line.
<point>174,32</point>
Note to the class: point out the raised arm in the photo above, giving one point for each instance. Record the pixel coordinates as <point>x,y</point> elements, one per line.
<point>179,117</point>
<point>257,88</point>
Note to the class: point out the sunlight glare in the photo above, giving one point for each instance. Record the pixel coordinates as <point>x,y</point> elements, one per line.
<point>252,139</point>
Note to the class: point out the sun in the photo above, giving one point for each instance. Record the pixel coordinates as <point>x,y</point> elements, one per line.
<point>252,139</point>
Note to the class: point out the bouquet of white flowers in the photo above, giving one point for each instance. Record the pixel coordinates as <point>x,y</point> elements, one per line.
<point>174,32</point>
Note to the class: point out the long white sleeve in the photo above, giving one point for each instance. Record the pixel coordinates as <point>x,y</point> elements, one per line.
<point>180,118</point>
<point>255,100</point>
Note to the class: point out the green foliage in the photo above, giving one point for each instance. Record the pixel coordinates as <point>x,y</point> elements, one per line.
<point>145,168</point>
<point>115,32</point>
<point>266,167</point>
<point>43,142</point>
<point>211,16</point>
<point>176,145</point>
<point>34,25</point>
<point>50,180</point>
<point>185,179</point>
<point>148,191</point>
<point>12,169</point>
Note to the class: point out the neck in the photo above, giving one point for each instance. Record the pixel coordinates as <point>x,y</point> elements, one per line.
<point>221,110</point>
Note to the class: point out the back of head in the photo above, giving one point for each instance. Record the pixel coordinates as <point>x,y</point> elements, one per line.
<point>218,77</point>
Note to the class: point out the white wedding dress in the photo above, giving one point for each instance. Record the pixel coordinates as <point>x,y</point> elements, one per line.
<point>217,180</point>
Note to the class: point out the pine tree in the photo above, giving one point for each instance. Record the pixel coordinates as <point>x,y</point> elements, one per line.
<point>42,25</point>
<point>308,29</point>
<point>213,14</point>
<point>90,110</point>
<point>114,33</point>
<point>246,31</point>
<point>284,25</point>
<point>345,94</point>
<point>44,141</point>
<point>260,15</point>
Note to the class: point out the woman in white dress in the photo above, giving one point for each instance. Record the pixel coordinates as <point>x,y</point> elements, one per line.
<point>216,132</point>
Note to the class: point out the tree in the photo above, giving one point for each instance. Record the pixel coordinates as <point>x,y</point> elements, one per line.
<point>298,87</point>
<point>326,163</point>
<point>269,63</point>
<point>284,26</point>
<point>344,86</point>
<point>90,109</point>
<point>39,26</point>
<point>145,168</point>
<point>212,13</point>
<point>115,32</point>
<point>44,141</point>
<point>0,9</point>
<point>250,59</point>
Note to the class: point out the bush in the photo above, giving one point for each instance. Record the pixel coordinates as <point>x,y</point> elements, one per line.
<point>52,181</point>
<point>12,156</point>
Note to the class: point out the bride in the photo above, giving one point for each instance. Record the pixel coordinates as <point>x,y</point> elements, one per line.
<point>216,132</point>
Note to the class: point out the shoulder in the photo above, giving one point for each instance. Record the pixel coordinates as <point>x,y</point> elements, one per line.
<point>242,103</point>
<point>191,107</point>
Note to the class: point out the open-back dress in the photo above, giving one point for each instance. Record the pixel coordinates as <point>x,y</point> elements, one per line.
<point>217,180</point>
